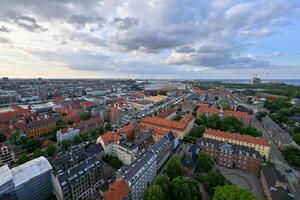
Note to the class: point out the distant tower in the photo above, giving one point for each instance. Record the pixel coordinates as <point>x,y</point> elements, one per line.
<point>256,80</point>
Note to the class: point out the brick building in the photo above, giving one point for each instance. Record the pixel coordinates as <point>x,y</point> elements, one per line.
<point>205,109</point>
<point>163,126</point>
<point>274,185</point>
<point>259,144</point>
<point>232,155</point>
<point>7,155</point>
<point>115,116</point>
<point>39,128</point>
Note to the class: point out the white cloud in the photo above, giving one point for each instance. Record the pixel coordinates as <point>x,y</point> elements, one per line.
<point>170,37</point>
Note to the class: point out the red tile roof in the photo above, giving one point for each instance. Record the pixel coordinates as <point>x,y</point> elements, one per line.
<point>114,110</point>
<point>127,129</point>
<point>17,112</point>
<point>238,137</point>
<point>203,108</point>
<point>169,124</point>
<point>167,113</point>
<point>110,137</point>
<point>87,104</point>
<point>118,191</point>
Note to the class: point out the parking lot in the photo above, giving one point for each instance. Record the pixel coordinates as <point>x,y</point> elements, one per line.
<point>244,180</point>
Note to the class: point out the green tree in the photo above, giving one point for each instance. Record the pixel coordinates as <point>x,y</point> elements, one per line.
<point>226,106</point>
<point>163,182</point>
<point>14,138</point>
<point>154,192</point>
<point>23,159</point>
<point>202,120</point>
<point>84,137</point>
<point>214,122</point>
<point>65,145</point>
<point>292,155</point>
<point>51,150</point>
<point>178,117</point>
<point>113,161</point>
<point>205,162</point>
<point>232,192</point>
<point>37,153</point>
<point>184,188</point>
<point>174,167</point>
<point>107,127</point>
<point>60,125</point>
<point>77,139</point>
<point>101,130</point>
<point>197,132</point>
<point>2,137</point>
<point>212,180</point>
<point>85,116</point>
<point>32,144</point>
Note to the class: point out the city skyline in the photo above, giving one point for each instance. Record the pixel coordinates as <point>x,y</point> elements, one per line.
<point>150,39</point>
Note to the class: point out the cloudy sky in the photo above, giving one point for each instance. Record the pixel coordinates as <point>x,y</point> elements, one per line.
<point>150,38</point>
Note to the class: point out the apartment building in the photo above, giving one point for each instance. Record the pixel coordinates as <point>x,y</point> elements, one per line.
<point>7,186</point>
<point>75,155</point>
<point>40,128</point>
<point>281,138</point>
<point>115,116</point>
<point>7,155</point>
<point>66,134</point>
<point>29,181</point>
<point>259,144</point>
<point>232,155</point>
<point>80,181</point>
<point>163,126</point>
<point>205,109</point>
<point>274,185</point>
<point>126,152</point>
<point>119,190</point>
<point>162,149</point>
<point>168,114</point>
<point>139,174</point>
<point>107,141</point>
<point>89,125</point>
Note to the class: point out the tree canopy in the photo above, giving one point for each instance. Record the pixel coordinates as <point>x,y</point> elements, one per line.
<point>154,192</point>
<point>185,188</point>
<point>292,155</point>
<point>174,167</point>
<point>23,159</point>
<point>232,192</point>
<point>2,137</point>
<point>65,145</point>
<point>51,150</point>
<point>85,116</point>
<point>205,162</point>
<point>212,180</point>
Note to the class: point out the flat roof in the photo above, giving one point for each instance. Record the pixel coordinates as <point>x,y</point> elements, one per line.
<point>130,171</point>
<point>5,175</point>
<point>30,169</point>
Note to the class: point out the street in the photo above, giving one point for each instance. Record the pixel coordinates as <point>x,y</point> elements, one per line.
<point>281,164</point>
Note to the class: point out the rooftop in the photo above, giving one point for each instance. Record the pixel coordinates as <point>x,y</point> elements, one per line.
<point>5,175</point>
<point>276,129</point>
<point>119,189</point>
<point>235,136</point>
<point>128,172</point>
<point>30,169</point>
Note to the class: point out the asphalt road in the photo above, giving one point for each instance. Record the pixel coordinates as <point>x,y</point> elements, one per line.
<point>281,164</point>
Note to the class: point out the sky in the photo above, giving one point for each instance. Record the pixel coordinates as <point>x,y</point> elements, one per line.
<point>176,39</point>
